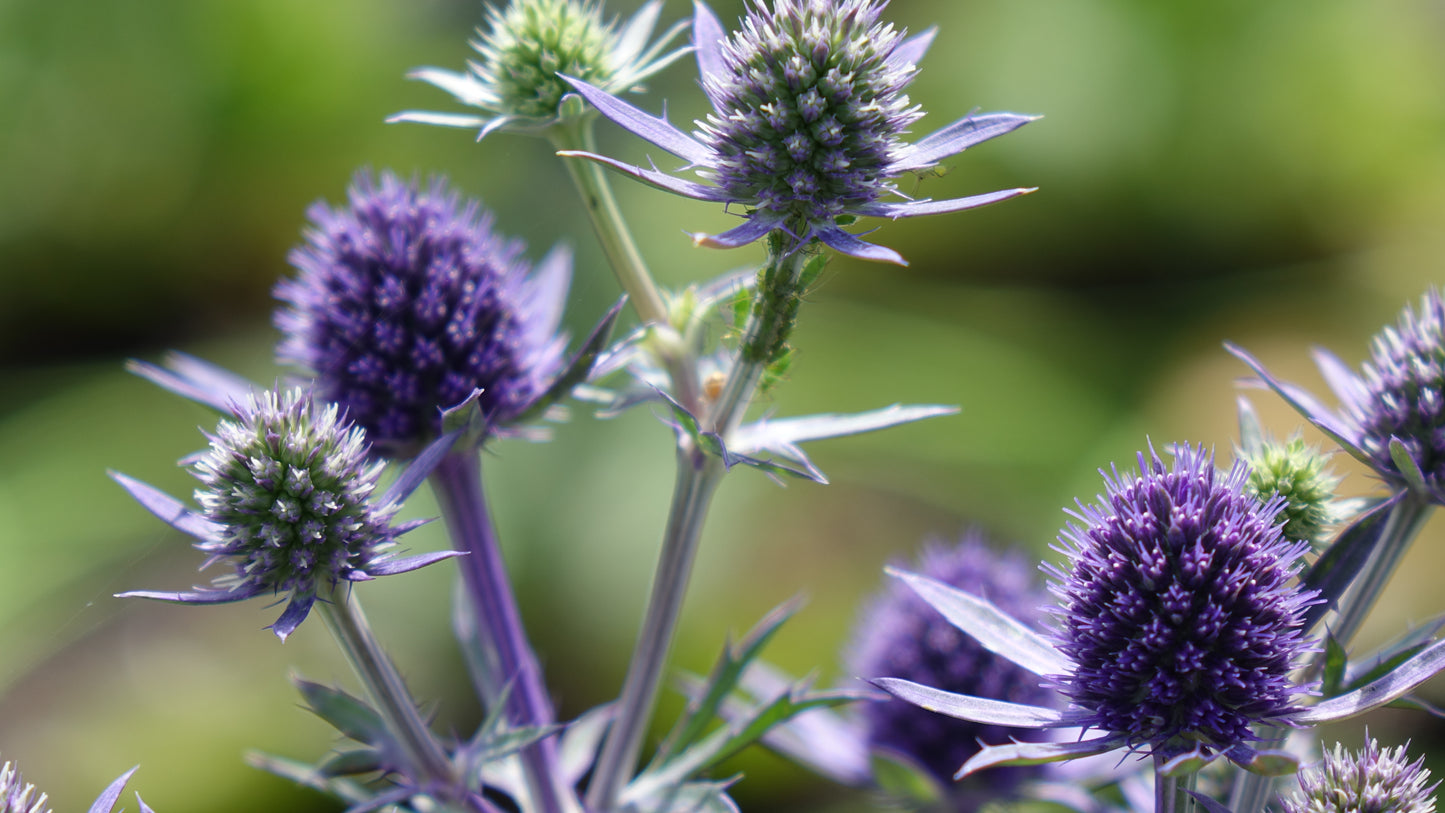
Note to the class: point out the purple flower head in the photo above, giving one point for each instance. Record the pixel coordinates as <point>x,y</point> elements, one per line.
<point>899,635</point>
<point>1179,612</point>
<point>287,500</point>
<point>406,302</point>
<point>809,114</point>
<point>1396,400</point>
<point>1371,780</point>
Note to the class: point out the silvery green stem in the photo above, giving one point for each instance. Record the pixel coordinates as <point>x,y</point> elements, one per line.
<point>457,482</point>
<point>1404,523</point>
<point>612,231</point>
<point>427,760</point>
<point>698,476</point>
<point>1171,793</point>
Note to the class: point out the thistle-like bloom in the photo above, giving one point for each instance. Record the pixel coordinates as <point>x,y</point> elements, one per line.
<point>809,114</point>
<point>406,303</point>
<point>1299,474</point>
<point>524,46</point>
<point>1371,780</point>
<point>288,500</point>
<point>1396,400</point>
<point>898,634</point>
<point>1179,612</point>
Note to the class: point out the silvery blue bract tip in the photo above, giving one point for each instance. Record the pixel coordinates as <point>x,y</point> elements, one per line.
<point>406,303</point>
<point>18,796</point>
<point>809,114</point>
<point>1370,780</point>
<point>899,635</point>
<point>287,498</point>
<point>1392,412</point>
<point>1180,610</point>
<point>525,44</point>
<point>105,803</point>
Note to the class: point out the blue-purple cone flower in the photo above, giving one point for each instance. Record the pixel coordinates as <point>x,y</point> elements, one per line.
<point>1398,395</point>
<point>1180,613</point>
<point>406,302</point>
<point>899,635</point>
<point>287,502</point>
<point>809,115</point>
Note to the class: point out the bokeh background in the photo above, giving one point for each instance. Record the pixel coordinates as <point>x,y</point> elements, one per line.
<point>1267,173</point>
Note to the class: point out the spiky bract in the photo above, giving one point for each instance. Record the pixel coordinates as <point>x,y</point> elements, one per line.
<point>17,796</point>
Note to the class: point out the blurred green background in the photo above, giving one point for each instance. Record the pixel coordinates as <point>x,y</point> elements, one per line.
<point>1268,173</point>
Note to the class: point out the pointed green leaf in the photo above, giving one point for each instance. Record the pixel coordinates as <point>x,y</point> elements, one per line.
<point>1334,671</point>
<point>995,630</point>
<point>1189,762</point>
<point>723,680</point>
<point>1251,436</point>
<point>347,714</point>
<point>1336,568</point>
<point>350,763</point>
<point>309,776</point>
<point>902,778</point>
<point>782,435</point>
<point>1407,467</point>
<point>509,742</point>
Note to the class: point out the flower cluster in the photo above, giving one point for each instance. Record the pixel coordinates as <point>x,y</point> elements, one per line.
<point>406,302</point>
<point>287,497</point>
<point>899,635</point>
<point>1298,473</point>
<point>1179,610</point>
<point>809,113</point>
<point>1371,780</point>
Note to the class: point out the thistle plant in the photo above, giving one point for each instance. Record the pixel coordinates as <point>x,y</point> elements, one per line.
<point>1190,625</point>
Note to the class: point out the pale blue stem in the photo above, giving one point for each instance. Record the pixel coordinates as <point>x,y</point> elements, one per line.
<point>1172,793</point>
<point>517,680</point>
<point>428,764</point>
<point>698,476</point>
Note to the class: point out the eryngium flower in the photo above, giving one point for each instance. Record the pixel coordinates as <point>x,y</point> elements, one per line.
<point>1399,395</point>
<point>406,302</point>
<point>809,113</point>
<point>286,498</point>
<point>1179,612</point>
<point>899,635</point>
<point>1371,780</point>
<point>1298,473</point>
<point>17,796</point>
<point>524,46</point>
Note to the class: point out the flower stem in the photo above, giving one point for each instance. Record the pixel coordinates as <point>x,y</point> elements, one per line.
<point>1172,793</point>
<point>612,231</point>
<point>515,678</point>
<point>428,760</point>
<point>698,476</point>
<point>1404,523</point>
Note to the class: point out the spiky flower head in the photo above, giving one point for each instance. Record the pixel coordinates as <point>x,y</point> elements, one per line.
<point>1299,473</point>
<point>1179,613</point>
<point>18,796</point>
<point>1371,780</point>
<point>406,301</point>
<point>524,45</point>
<point>899,635</point>
<point>809,113</point>
<point>1392,413</point>
<point>287,500</point>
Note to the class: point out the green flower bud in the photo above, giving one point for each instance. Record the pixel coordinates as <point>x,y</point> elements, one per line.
<point>1298,473</point>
